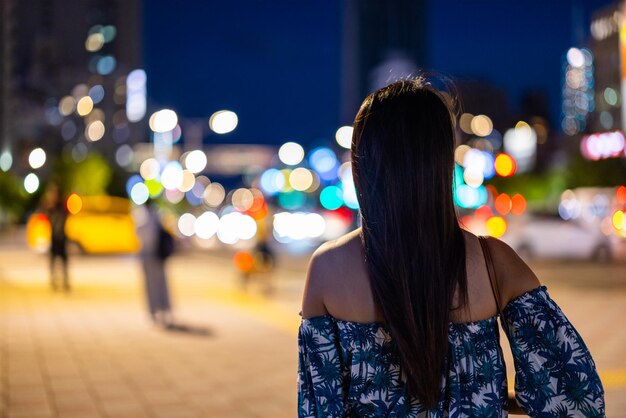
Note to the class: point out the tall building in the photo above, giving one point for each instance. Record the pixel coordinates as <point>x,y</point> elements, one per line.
<point>55,53</point>
<point>382,41</point>
<point>609,69</point>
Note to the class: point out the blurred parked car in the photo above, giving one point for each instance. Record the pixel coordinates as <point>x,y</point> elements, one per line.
<point>552,237</point>
<point>96,224</point>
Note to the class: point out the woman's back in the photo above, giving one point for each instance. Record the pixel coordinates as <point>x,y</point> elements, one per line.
<point>348,366</point>
<point>342,287</point>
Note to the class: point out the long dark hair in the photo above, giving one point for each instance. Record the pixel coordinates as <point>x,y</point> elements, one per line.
<point>402,163</point>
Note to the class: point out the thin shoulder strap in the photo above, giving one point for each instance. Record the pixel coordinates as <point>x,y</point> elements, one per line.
<point>493,279</point>
<point>513,407</point>
<point>491,271</point>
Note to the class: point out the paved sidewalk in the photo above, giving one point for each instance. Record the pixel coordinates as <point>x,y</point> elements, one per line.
<point>93,353</point>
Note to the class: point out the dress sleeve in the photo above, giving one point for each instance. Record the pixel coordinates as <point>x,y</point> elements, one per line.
<point>320,376</point>
<point>554,372</point>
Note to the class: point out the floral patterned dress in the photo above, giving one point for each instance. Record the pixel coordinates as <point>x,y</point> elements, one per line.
<point>348,369</point>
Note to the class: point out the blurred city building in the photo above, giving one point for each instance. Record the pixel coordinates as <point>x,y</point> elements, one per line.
<point>381,42</point>
<point>608,49</point>
<point>63,79</point>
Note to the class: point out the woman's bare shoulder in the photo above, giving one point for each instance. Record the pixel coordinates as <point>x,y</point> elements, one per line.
<point>515,277</point>
<point>327,264</point>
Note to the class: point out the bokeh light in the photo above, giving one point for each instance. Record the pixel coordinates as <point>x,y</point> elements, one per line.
<point>95,131</point>
<point>610,96</point>
<point>186,224</point>
<point>503,204</point>
<point>505,165</point>
<point>155,188</point>
<point>94,42</point>
<point>223,121</point>
<point>172,175</point>
<point>214,194</point>
<point>618,220</point>
<point>292,200</point>
<point>37,158</point>
<point>106,65</point>
<point>347,186</point>
<point>74,204</point>
<point>569,207</point>
<point>124,155</point>
<point>459,153</point>
<point>232,226</point>
<point>199,187</point>
<point>108,32</point>
<point>6,161</point>
<point>331,197</point>
<point>196,161</point>
<point>132,180</point>
<point>298,226</point>
<point>518,204</point>
<point>188,182</point>
<point>324,161</point>
<point>291,153</point>
<point>481,125</point>
<point>163,120</point>
<point>136,95</point>
<point>206,225</point>
<point>96,93</point>
<point>603,145</point>
<point>31,183</point>
<point>139,193</point>
<point>496,226</point>
<point>473,177</point>
<point>301,179</point>
<point>149,169</point>
<point>243,261</point>
<point>465,123</point>
<point>575,57</point>
<point>174,196</point>
<point>84,106</point>
<point>344,136</point>
<point>66,105</point>
<point>469,197</point>
<point>620,195</point>
<point>242,199</point>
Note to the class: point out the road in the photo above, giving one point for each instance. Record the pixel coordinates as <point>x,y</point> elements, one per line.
<point>93,352</point>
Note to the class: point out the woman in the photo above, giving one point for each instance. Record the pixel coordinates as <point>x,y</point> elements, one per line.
<point>150,232</point>
<point>400,315</point>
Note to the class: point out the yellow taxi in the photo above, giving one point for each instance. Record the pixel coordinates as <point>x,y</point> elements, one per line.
<point>97,224</point>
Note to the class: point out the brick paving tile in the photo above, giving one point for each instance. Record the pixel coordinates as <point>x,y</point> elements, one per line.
<point>176,411</point>
<point>31,408</point>
<point>123,406</point>
<point>161,397</point>
<point>80,414</point>
<point>110,392</point>
<point>30,414</point>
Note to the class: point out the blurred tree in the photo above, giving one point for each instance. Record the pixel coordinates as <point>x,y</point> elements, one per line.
<point>117,185</point>
<point>586,173</point>
<point>90,176</point>
<point>13,199</point>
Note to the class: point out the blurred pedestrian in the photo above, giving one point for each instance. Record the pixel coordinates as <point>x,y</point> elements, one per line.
<point>56,211</point>
<point>400,316</point>
<point>156,246</point>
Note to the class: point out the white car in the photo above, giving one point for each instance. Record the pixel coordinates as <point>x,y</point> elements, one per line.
<point>552,237</point>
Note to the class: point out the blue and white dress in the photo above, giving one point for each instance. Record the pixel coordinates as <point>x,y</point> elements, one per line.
<point>348,369</point>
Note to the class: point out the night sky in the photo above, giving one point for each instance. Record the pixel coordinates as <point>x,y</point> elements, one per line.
<point>277,64</point>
